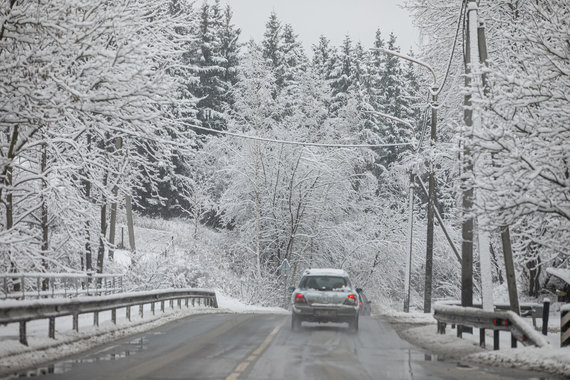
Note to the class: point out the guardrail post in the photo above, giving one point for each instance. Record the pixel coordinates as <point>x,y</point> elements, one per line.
<point>162,306</point>
<point>75,321</point>
<point>441,327</point>
<point>51,328</point>
<point>141,310</point>
<point>495,339</point>
<point>459,331</point>
<point>171,304</point>
<point>186,302</point>
<point>565,326</point>
<point>23,338</point>
<point>96,318</point>
<point>152,307</point>
<point>128,312</point>
<point>545,314</point>
<point>513,341</point>
<point>114,315</point>
<point>482,338</point>
<point>179,302</point>
<point>193,299</point>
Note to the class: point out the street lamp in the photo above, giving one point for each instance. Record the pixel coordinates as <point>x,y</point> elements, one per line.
<point>434,91</point>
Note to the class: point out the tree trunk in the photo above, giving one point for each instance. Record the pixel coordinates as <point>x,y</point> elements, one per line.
<point>87,190</point>
<point>44,217</point>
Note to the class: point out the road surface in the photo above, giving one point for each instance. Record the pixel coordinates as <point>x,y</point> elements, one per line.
<point>262,346</point>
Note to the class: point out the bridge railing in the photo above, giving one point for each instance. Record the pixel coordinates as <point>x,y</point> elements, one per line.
<point>51,285</point>
<point>492,320</point>
<point>24,311</point>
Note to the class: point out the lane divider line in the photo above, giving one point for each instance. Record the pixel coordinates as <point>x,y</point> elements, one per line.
<point>241,367</point>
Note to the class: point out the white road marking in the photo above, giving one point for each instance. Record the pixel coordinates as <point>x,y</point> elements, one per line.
<point>241,367</point>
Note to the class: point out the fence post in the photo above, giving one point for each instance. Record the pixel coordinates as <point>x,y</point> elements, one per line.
<point>545,314</point>
<point>23,338</point>
<point>51,329</point>
<point>565,325</point>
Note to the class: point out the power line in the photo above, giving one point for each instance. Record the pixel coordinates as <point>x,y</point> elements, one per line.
<point>256,138</point>
<point>461,11</point>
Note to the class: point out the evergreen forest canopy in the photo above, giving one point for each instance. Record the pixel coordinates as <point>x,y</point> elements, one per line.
<point>101,103</point>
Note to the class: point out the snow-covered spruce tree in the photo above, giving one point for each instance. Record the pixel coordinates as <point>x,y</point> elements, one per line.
<point>342,76</point>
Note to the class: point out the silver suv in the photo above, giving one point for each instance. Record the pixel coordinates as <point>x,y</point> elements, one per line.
<point>324,295</point>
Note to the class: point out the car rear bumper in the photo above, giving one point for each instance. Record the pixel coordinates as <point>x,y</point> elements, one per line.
<point>325,314</point>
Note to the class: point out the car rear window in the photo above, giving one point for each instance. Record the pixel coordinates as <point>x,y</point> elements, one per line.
<point>323,282</point>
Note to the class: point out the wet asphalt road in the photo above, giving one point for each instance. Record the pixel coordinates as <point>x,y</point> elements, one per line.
<point>262,346</point>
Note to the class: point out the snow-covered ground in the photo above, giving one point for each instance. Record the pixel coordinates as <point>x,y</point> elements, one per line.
<point>15,356</point>
<point>421,330</point>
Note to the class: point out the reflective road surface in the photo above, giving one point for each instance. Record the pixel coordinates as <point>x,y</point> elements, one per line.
<point>262,346</point>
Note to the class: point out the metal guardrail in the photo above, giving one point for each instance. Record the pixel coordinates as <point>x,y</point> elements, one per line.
<point>23,311</point>
<point>493,320</point>
<point>532,310</point>
<point>50,285</point>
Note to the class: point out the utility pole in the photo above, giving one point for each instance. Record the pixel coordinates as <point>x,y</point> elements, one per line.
<point>482,233</point>
<point>410,244</point>
<point>467,174</point>
<point>431,206</point>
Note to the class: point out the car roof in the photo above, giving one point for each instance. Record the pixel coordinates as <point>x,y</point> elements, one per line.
<point>325,272</point>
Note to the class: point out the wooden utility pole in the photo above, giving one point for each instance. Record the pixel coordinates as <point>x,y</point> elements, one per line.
<point>510,269</point>
<point>467,176</point>
<point>431,206</point>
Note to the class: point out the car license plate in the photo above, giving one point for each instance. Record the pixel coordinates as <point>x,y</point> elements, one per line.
<point>325,313</point>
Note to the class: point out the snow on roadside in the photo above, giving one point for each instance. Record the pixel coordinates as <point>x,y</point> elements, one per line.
<point>15,357</point>
<point>420,329</point>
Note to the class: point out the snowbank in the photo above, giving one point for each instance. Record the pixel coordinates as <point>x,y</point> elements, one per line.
<point>420,329</point>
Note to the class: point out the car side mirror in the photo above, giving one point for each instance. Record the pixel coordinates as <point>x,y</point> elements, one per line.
<point>291,289</point>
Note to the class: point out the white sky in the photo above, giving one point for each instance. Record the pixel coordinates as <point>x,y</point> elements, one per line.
<point>332,18</point>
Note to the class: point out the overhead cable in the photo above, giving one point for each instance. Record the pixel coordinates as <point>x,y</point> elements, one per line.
<point>257,138</point>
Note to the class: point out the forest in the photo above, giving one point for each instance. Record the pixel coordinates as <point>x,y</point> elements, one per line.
<point>265,152</point>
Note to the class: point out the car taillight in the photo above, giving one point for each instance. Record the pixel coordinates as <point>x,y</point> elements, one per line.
<point>299,298</point>
<point>350,299</point>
